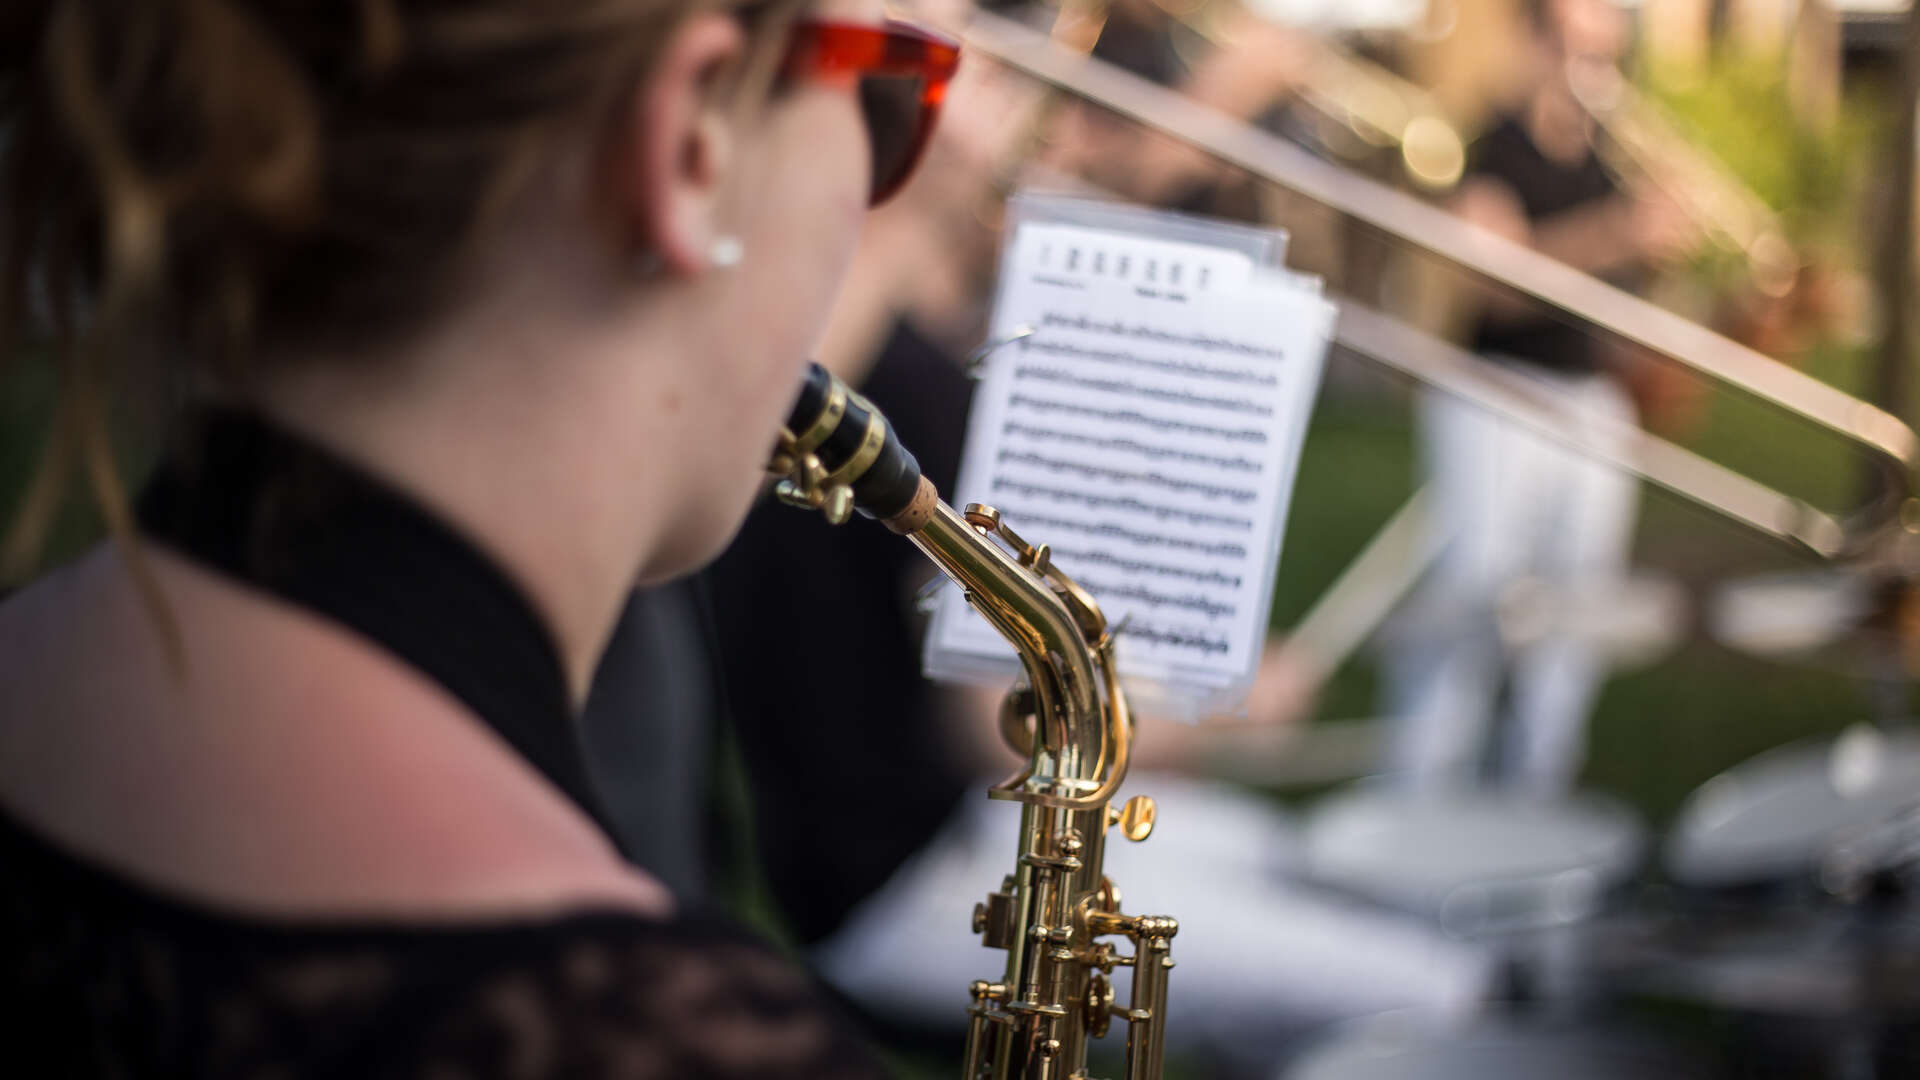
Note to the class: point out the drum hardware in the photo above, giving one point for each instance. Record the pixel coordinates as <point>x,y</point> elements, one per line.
<point>1879,861</point>
<point>1779,816</point>
<point>1477,863</point>
<point>1516,873</point>
<point>1401,1047</point>
<point>1793,905</point>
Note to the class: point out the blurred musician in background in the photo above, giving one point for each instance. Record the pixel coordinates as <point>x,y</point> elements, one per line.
<point>1251,68</point>
<point>1510,506</point>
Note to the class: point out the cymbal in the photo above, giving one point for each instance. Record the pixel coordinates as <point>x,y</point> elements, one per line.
<point>1403,1047</point>
<point>1824,962</point>
<point>1774,817</point>
<point>1478,862</point>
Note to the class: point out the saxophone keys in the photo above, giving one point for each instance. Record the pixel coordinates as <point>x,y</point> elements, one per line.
<point>1136,818</point>
<point>982,517</point>
<point>839,504</point>
<point>793,495</point>
<point>1099,1005</point>
<point>994,920</point>
<point>1039,559</point>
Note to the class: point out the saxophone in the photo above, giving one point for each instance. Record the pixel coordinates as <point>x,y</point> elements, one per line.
<point>1057,913</point>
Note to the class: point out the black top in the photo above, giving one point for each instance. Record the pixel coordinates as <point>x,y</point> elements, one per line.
<point>108,977</point>
<point>288,518</point>
<point>1546,187</point>
<point>648,728</point>
<point>851,769</point>
<point>1141,40</point>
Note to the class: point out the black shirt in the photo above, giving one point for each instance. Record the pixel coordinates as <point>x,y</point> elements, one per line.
<point>851,770</point>
<point>1545,187</point>
<point>108,977</point>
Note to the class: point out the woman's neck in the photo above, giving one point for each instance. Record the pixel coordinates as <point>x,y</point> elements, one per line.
<point>531,426</point>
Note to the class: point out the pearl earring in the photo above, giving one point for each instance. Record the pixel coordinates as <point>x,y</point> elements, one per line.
<point>726,252</point>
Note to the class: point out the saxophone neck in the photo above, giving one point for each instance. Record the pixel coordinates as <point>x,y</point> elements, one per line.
<point>1077,750</point>
<point>837,454</point>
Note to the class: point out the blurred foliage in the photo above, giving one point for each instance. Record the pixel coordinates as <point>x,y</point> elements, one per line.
<point>1820,179</point>
<point>1740,113</point>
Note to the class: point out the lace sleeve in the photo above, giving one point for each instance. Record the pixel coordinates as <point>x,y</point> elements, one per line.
<point>625,1000</point>
<point>109,979</point>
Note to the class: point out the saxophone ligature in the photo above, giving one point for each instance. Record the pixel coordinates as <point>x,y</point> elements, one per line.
<point>1057,915</point>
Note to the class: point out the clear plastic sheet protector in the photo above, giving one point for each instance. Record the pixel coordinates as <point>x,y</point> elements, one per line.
<point>1141,409</point>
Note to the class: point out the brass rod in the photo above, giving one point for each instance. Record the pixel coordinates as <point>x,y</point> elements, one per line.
<point>1147,1022</point>
<point>1072,734</point>
<point>1516,398</point>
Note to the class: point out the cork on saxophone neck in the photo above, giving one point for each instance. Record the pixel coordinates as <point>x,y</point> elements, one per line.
<point>918,512</point>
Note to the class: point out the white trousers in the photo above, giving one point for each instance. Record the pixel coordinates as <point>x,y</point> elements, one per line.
<point>1259,960</point>
<point>1509,506</point>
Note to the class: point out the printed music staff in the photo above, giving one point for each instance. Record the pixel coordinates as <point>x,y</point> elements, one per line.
<point>1144,418</point>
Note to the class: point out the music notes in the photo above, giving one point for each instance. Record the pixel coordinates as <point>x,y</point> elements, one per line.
<point>1144,420</point>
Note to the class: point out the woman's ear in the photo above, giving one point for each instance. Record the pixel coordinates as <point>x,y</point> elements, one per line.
<point>673,154</point>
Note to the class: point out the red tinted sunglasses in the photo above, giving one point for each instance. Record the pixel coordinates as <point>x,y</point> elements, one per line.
<point>903,73</point>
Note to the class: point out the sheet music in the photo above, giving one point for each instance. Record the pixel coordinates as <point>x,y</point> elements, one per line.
<point>1145,422</point>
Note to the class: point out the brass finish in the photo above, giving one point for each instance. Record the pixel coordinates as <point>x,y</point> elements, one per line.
<point>1068,716</point>
<point>1362,106</point>
<point>836,409</point>
<point>994,920</point>
<point>803,481</point>
<point>1368,105</point>
<point>1136,820</point>
<point>1099,1005</point>
<point>871,443</point>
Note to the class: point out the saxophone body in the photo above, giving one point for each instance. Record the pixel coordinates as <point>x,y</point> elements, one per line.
<point>1056,915</point>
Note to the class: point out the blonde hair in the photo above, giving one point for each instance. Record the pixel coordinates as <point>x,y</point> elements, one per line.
<point>183,180</point>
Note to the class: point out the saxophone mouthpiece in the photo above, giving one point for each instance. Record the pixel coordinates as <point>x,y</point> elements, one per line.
<point>837,454</point>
